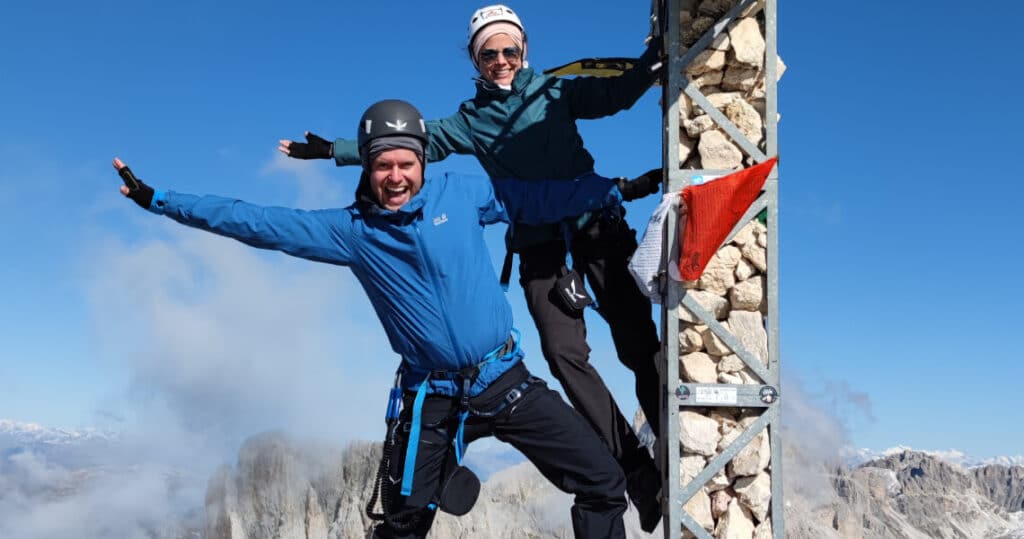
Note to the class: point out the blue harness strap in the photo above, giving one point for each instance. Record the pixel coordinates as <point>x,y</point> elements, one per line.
<point>414,439</point>
<point>417,411</point>
<point>460,446</point>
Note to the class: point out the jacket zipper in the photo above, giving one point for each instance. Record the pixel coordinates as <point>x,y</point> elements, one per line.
<point>437,286</point>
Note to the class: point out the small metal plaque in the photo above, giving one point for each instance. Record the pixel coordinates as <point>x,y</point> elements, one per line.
<point>715,395</point>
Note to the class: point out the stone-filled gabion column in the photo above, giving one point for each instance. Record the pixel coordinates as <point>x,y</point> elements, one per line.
<point>731,74</point>
<point>735,503</point>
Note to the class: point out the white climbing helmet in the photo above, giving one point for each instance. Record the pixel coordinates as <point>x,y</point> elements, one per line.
<point>491,14</point>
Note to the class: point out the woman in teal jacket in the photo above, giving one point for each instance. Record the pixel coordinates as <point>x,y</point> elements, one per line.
<point>522,125</point>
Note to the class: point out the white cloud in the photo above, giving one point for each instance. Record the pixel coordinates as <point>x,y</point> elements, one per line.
<point>814,436</point>
<point>232,340</point>
<point>44,500</point>
<point>489,455</point>
<point>320,183</point>
<point>219,342</point>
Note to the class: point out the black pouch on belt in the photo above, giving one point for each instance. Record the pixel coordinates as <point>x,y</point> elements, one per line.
<point>570,290</point>
<point>459,492</point>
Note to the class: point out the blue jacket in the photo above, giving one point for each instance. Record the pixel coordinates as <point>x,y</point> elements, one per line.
<point>425,267</point>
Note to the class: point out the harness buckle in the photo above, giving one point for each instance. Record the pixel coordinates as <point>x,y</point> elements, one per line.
<point>513,396</point>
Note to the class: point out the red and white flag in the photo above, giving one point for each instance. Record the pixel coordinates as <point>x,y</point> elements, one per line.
<point>712,210</point>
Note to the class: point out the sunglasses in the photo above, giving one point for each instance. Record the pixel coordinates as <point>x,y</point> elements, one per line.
<point>489,55</point>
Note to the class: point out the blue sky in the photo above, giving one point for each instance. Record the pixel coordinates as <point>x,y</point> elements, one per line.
<point>899,286</point>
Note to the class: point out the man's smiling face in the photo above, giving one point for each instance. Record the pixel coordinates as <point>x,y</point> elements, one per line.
<point>395,177</point>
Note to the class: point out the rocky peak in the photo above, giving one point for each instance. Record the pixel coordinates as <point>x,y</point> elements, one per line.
<point>287,490</point>
<point>919,472</point>
<point>1004,485</point>
<point>912,494</point>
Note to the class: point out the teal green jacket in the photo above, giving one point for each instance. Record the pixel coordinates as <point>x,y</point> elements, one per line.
<point>529,132</point>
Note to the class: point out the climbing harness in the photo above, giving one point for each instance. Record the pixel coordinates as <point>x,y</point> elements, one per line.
<point>569,287</point>
<point>456,493</point>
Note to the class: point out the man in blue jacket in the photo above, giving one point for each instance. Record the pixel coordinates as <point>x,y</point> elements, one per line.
<point>417,248</point>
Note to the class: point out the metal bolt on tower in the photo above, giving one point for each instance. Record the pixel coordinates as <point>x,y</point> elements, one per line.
<point>755,397</point>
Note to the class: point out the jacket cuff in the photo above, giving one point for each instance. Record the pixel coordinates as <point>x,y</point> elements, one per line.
<point>159,202</point>
<point>346,152</point>
<point>614,197</point>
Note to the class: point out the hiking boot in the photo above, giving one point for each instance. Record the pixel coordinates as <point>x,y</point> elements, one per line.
<point>643,485</point>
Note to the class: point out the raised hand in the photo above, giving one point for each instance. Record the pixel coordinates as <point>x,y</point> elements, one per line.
<point>314,148</point>
<point>133,187</point>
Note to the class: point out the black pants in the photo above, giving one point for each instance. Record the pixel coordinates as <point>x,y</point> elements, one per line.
<point>600,252</point>
<point>541,426</point>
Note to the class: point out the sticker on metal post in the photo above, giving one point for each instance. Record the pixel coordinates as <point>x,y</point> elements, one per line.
<point>682,393</point>
<point>768,394</point>
<point>699,179</point>
<point>715,395</point>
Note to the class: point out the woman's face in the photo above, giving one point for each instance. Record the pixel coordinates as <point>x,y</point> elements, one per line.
<point>499,59</point>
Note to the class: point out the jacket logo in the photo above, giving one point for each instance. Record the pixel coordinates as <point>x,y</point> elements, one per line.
<point>398,125</point>
<point>438,221</point>
<point>573,294</point>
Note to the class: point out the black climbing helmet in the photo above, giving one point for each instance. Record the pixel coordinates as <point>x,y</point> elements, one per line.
<point>390,118</point>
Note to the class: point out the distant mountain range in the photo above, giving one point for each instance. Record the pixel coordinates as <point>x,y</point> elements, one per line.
<point>858,456</point>
<point>898,492</point>
<point>24,435</point>
<point>276,485</point>
<point>16,432</point>
<point>69,448</point>
<point>907,494</point>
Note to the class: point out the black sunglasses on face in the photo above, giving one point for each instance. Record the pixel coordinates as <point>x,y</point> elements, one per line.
<point>489,55</point>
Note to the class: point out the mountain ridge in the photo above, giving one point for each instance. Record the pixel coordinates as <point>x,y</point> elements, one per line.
<point>298,489</point>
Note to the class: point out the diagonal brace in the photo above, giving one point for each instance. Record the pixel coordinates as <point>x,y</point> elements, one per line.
<point>730,340</point>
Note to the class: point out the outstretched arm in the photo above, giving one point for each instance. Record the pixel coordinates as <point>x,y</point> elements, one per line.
<point>445,137</point>
<point>596,97</point>
<point>315,235</point>
<point>535,202</point>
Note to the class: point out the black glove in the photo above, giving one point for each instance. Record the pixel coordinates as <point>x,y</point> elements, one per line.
<point>314,148</point>
<point>641,186</point>
<point>143,195</point>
